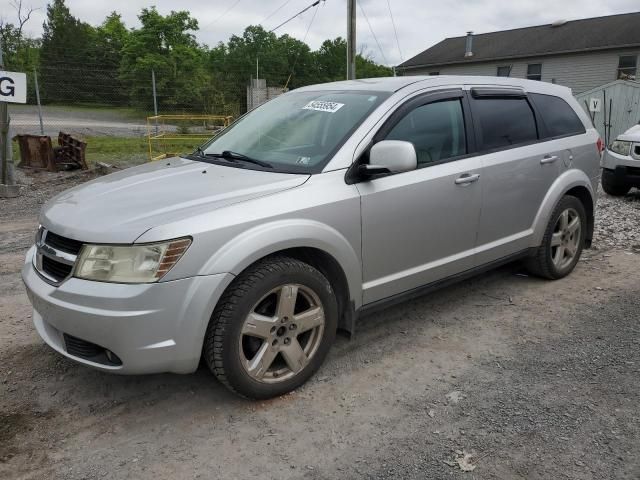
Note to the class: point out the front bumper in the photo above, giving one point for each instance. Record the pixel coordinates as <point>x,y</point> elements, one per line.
<point>623,168</point>
<point>151,328</point>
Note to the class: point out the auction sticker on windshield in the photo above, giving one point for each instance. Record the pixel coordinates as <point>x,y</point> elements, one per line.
<point>323,106</point>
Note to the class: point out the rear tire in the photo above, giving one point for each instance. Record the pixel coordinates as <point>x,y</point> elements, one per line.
<point>612,186</point>
<point>272,328</point>
<point>563,241</point>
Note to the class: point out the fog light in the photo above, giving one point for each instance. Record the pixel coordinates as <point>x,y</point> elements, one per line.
<point>112,357</point>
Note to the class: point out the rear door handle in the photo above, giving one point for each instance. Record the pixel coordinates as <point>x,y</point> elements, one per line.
<point>467,178</point>
<point>549,159</point>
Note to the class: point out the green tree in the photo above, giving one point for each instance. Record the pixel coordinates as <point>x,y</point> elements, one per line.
<point>19,53</point>
<point>332,65</point>
<point>67,54</point>
<point>111,37</point>
<point>165,45</point>
<point>282,61</point>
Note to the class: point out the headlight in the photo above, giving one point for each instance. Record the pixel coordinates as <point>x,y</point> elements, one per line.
<point>129,264</point>
<point>620,147</point>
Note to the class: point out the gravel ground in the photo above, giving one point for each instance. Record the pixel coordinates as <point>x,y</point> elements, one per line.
<point>618,221</point>
<point>503,376</point>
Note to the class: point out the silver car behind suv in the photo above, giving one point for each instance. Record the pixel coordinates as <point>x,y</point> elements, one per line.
<point>327,202</point>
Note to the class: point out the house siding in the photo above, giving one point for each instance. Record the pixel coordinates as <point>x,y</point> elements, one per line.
<point>580,72</point>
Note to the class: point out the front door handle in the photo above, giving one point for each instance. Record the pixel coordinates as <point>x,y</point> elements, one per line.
<point>467,178</point>
<point>549,159</point>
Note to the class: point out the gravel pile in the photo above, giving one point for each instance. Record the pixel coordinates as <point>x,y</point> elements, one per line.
<point>618,221</point>
<point>37,187</point>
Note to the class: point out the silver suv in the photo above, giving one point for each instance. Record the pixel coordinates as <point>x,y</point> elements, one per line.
<point>323,204</point>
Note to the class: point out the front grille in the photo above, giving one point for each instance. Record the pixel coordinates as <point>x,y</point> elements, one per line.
<point>90,351</point>
<point>55,255</point>
<point>62,243</point>
<point>56,270</point>
<point>634,171</point>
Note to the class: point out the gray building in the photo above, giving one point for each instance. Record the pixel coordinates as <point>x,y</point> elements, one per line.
<point>580,54</point>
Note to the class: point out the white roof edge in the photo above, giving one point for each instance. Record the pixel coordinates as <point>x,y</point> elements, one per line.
<point>393,84</point>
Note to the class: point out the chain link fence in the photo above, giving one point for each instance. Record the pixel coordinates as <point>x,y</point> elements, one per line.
<point>94,102</point>
<point>111,111</point>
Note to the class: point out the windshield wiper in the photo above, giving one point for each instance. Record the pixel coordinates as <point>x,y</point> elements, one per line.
<point>234,156</point>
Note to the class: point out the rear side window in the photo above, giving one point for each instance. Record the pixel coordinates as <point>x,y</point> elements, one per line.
<point>504,122</point>
<point>557,115</point>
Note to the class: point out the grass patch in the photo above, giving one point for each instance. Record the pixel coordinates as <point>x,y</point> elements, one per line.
<point>118,150</point>
<point>126,151</point>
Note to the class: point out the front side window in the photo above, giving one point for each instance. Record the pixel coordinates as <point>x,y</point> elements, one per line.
<point>534,71</point>
<point>504,71</point>
<point>435,129</point>
<point>504,122</point>
<point>627,65</point>
<point>559,118</point>
<point>298,131</point>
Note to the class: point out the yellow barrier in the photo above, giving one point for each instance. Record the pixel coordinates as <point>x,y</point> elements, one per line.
<point>171,135</point>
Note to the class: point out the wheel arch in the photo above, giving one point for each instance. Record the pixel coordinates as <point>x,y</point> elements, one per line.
<point>584,195</point>
<point>573,182</point>
<point>331,269</point>
<point>312,242</point>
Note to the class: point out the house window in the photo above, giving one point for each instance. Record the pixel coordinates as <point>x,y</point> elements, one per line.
<point>504,71</point>
<point>534,71</point>
<point>627,65</point>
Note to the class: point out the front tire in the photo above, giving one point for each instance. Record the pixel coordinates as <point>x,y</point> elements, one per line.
<point>612,186</point>
<point>563,241</point>
<point>272,328</point>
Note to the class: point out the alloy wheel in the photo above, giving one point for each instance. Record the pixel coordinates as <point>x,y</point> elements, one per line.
<point>565,239</point>
<point>282,333</point>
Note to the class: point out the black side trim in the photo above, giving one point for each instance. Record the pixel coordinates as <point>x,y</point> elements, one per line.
<point>445,282</point>
<point>497,92</point>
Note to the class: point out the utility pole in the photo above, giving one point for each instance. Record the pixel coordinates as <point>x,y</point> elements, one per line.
<point>351,39</point>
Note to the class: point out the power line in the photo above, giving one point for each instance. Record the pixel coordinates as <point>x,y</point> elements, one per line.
<point>275,11</point>
<point>316,3</point>
<point>395,31</point>
<point>304,40</point>
<point>372,32</point>
<point>221,16</point>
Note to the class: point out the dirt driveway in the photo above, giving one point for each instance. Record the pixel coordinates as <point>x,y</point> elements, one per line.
<point>504,375</point>
<point>82,121</point>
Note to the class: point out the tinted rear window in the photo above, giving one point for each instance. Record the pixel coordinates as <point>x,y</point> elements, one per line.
<point>557,115</point>
<point>504,122</point>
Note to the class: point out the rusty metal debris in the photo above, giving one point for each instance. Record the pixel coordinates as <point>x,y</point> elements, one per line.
<point>37,151</point>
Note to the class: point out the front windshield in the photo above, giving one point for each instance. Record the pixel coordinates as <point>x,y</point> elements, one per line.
<point>298,131</point>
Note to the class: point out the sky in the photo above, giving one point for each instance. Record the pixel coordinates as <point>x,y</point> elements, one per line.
<point>419,23</point>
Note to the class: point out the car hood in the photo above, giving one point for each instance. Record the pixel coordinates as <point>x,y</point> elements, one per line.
<point>120,207</point>
<point>631,135</point>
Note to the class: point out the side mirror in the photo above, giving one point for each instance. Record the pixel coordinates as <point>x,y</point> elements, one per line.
<point>390,156</point>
